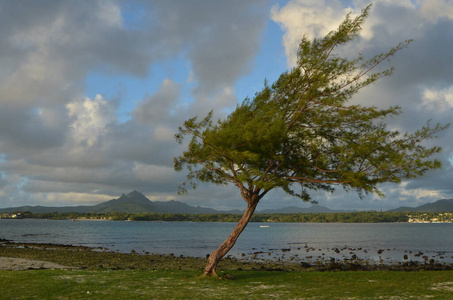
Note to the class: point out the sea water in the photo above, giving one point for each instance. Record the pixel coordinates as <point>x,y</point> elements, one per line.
<point>383,242</point>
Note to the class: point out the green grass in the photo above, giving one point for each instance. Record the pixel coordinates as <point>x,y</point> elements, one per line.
<point>146,284</point>
<point>106,275</point>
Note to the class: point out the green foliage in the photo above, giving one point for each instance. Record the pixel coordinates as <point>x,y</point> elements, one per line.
<point>301,134</point>
<point>346,217</point>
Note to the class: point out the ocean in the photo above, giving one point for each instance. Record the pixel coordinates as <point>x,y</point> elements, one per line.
<point>308,242</point>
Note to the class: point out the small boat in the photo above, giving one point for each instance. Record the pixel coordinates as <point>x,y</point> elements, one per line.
<point>264,226</point>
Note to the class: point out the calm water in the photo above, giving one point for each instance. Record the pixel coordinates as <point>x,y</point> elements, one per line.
<point>388,242</point>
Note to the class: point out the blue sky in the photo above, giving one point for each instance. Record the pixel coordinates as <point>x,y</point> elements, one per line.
<point>131,89</point>
<point>92,92</point>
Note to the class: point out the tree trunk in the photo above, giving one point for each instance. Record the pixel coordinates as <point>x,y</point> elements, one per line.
<point>216,255</point>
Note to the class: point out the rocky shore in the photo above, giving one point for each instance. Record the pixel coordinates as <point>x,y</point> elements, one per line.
<point>23,256</point>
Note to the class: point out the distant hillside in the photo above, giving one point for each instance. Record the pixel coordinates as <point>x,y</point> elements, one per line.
<point>444,205</point>
<point>296,210</point>
<point>134,202</point>
<point>46,209</point>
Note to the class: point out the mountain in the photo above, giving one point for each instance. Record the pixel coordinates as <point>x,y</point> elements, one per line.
<point>45,209</point>
<point>177,207</point>
<point>444,205</point>
<point>134,202</point>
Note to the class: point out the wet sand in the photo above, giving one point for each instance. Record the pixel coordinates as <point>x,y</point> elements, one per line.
<point>21,264</point>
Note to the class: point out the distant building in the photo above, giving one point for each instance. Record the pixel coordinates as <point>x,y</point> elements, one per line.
<point>11,216</point>
<point>431,218</point>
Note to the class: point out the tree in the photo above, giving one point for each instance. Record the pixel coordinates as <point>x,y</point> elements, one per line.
<point>300,134</point>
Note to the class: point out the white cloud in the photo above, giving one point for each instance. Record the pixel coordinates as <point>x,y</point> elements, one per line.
<point>437,99</point>
<point>314,18</point>
<point>436,9</point>
<point>91,118</point>
<point>110,13</point>
<point>60,199</point>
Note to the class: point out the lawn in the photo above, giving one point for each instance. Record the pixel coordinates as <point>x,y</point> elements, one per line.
<point>166,284</point>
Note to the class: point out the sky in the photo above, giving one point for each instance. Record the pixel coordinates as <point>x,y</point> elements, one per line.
<point>93,91</point>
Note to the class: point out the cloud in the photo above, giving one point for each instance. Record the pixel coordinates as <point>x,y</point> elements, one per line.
<point>220,37</point>
<point>436,9</point>
<point>54,139</point>
<point>157,108</point>
<point>91,120</point>
<point>438,99</point>
<point>312,19</point>
<point>59,145</point>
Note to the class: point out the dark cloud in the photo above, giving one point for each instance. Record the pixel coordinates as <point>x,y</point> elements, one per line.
<point>156,109</point>
<point>23,132</point>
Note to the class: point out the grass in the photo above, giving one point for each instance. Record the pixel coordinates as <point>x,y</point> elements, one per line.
<point>161,284</point>
<point>107,275</point>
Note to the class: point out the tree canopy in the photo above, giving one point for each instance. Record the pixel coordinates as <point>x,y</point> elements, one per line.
<point>301,133</point>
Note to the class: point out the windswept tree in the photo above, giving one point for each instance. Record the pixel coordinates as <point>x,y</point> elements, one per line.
<point>300,134</point>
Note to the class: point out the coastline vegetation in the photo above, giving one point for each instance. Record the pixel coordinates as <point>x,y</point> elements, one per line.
<point>337,217</point>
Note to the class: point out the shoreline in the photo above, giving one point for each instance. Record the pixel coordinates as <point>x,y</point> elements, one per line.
<point>76,219</point>
<point>22,264</point>
<point>55,256</point>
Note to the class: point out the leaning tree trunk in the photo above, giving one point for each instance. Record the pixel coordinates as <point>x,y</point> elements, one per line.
<point>217,255</point>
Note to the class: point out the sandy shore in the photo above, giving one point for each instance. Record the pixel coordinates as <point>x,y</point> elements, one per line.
<point>20,264</point>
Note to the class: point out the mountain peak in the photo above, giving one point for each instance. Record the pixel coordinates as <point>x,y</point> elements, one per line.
<point>134,193</point>
<point>137,197</point>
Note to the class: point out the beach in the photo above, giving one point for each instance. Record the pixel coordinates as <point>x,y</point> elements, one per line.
<point>22,264</point>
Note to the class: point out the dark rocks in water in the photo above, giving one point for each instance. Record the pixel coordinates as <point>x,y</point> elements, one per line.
<point>92,259</point>
<point>418,254</point>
